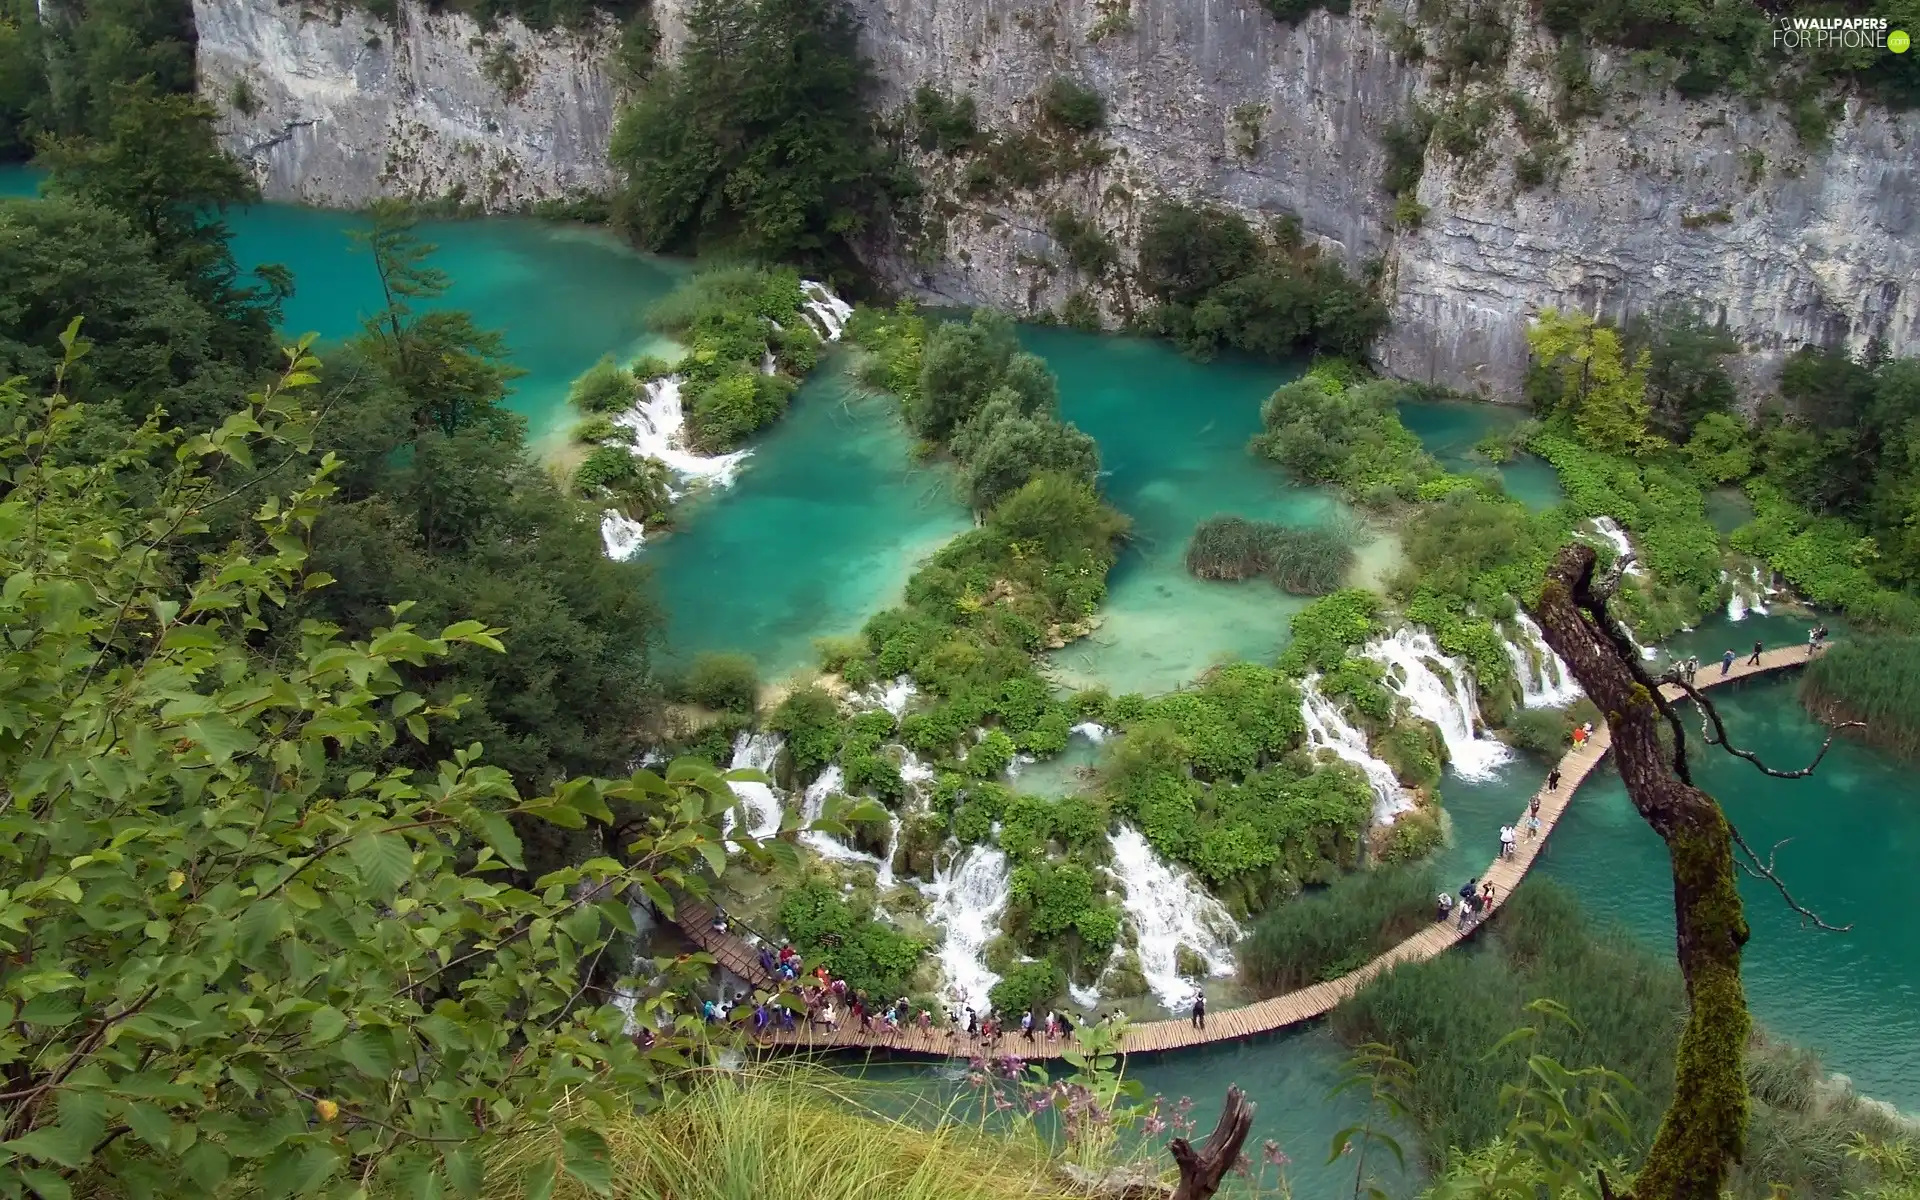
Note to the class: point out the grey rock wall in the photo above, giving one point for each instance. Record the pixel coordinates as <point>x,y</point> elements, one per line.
<point>348,107</point>
<point>1660,200</point>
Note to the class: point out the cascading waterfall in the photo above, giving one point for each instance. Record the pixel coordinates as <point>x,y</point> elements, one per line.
<point>894,697</point>
<point>1608,530</point>
<point>1748,596</point>
<point>756,752</point>
<point>1545,681</point>
<point>1327,729</point>
<point>968,895</point>
<point>826,311</point>
<point>1093,731</point>
<point>1406,656</point>
<point>659,423</point>
<point>626,995</point>
<point>622,535</point>
<point>1169,910</point>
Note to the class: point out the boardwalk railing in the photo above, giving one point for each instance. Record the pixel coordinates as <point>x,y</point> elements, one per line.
<point>1263,1016</point>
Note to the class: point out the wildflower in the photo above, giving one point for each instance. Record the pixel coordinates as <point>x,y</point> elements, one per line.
<point>1156,1124</point>
<point>975,1079</point>
<point>1273,1155</point>
<point>1242,1167</point>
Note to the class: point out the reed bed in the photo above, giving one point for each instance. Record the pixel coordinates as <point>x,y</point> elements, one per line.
<point>1326,933</point>
<point>1305,562</point>
<point>1871,679</point>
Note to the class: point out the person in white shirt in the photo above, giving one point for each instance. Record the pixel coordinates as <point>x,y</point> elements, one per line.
<point>1506,841</point>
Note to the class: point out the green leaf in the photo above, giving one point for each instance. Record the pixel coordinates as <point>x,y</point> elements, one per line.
<point>53,1143</point>
<point>497,832</point>
<point>585,1156</point>
<point>325,1024</point>
<point>384,860</point>
<point>297,1170</point>
<point>369,1052</point>
<point>539,1181</point>
<point>48,1185</point>
<point>207,1165</point>
<point>465,1172</point>
<point>148,1122</point>
<point>221,738</point>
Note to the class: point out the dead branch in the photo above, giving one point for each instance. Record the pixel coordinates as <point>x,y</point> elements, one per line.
<point>1713,731</point>
<point>1759,870</point>
<point>1202,1170</point>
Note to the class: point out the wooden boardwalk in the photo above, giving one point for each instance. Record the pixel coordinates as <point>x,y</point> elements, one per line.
<point>1263,1016</point>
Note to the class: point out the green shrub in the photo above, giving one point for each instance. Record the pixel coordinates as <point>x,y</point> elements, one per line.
<point>605,387</point>
<point>809,718</point>
<point>1028,987</point>
<point>876,960</point>
<point>943,124</point>
<point>1072,105</point>
<point>649,367</point>
<point>1405,141</point>
<point>1323,935</point>
<point>1323,632</point>
<point>1086,246</point>
<point>1324,431</point>
<point>728,681</point>
<point>600,429</point>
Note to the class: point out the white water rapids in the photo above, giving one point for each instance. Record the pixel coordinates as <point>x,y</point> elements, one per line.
<point>1170,909</point>
<point>968,895</point>
<point>756,752</point>
<point>1328,729</point>
<point>1407,655</point>
<point>622,534</point>
<point>1749,595</point>
<point>1545,681</point>
<point>659,423</point>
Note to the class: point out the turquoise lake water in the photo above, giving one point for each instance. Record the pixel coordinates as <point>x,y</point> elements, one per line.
<point>830,515</point>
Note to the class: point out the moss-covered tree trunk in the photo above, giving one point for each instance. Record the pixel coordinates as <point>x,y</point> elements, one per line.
<point>1703,1130</point>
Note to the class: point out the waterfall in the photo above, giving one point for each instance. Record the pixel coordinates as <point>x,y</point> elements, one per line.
<point>622,535</point>
<point>968,896</point>
<point>756,752</point>
<point>1452,709</point>
<point>626,993</point>
<point>893,697</point>
<point>1608,530</point>
<point>826,311</point>
<point>1093,731</point>
<point>659,425</point>
<point>813,803</point>
<point>1169,910</point>
<point>1545,681</point>
<point>1747,596</point>
<point>1327,729</point>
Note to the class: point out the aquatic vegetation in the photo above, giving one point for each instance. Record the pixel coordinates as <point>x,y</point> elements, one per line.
<point>1306,562</point>
<point>1326,933</point>
<point>1825,557</point>
<point>1871,679</point>
<point>809,719</point>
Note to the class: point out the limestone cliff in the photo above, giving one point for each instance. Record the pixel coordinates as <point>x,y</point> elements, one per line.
<point>1657,200</point>
<point>335,107</point>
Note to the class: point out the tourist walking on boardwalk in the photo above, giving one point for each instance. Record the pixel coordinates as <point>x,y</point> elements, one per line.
<point>1813,640</point>
<point>1443,907</point>
<point>1726,662</point>
<point>1026,1025</point>
<point>1553,785</point>
<point>1199,1009</point>
<point>1758,647</point>
<point>1693,667</point>
<point>1579,737</point>
<point>1486,896</point>
<point>1507,834</point>
<point>1467,895</point>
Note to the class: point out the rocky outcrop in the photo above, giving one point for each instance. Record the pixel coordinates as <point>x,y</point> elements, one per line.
<point>336,106</point>
<point>1659,200</point>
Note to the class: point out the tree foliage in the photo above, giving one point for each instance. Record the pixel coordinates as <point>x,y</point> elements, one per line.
<point>238,965</point>
<point>1604,391</point>
<point>759,139</point>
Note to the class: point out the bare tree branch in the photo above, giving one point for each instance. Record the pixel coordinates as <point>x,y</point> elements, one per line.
<point>1759,870</point>
<point>1713,731</point>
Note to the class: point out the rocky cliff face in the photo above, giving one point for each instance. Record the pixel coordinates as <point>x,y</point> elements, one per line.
<point>336,107</point>
<point>1657,201</point>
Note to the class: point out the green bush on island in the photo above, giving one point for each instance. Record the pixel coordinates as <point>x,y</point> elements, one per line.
<point>809,720</point>
<point>1872,679</point>
<point>1325,429</point>
<point>1062,911</point>
<point>1305,562</point>
<point>605,387</point>
<point>726,681</point>
<point>1325,934</point>
<point>874,958</point>
<point>1323,632</point>
<point>1217,283</point>
<point>1549,731</point>
<point>734,320</point>
<point>1028,987</point>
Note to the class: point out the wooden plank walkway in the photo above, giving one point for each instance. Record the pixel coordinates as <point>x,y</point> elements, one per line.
<point>1263,1016</point>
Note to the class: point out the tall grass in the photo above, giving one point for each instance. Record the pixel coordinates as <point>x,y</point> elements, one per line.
<point>1445,1015</point>
<point>1305,562</point>
<point>1324,934</point>
<point>1871,679</point>
<point>787,1133</point>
